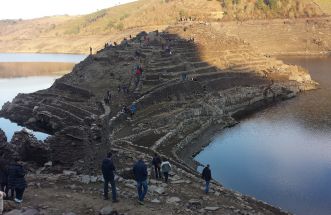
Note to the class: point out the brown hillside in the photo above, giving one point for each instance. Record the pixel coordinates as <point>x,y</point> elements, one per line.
<point>53,34</point>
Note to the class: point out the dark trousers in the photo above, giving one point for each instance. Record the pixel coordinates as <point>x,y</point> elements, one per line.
<point>157,172</point>
<point>113,188</point>
<point>19,193</point>
<point>166,176</point>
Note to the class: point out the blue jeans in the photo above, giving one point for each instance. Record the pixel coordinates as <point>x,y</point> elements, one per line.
<point>207,187</point>
<point>113,188</point>
<point>142,189</point>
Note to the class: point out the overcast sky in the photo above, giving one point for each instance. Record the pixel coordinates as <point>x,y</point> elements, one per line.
<point>28,9</point>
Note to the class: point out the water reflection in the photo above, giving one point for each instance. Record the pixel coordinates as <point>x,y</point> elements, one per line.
<point>44,67</point>
<point>282,155</point>
<point>9,88</point>
<point>24,69</point>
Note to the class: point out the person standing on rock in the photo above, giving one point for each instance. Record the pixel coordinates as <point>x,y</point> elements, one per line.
<point>157,166</point>
<point>165,169</point>
<point>108,170</point>
<point>140,174</point>
<point>206,175</point>
<point>16,180</point>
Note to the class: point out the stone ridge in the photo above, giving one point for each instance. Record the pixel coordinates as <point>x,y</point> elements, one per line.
<point>204,81</point>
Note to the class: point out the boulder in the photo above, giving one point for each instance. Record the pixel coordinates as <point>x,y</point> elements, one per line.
<point>127,173</point>
<point>29,148</point>
<point>156,201</point>
<point>212,208</point>
<point>9,205</point>
<point>25,211</point>
<point>69,145</point>
<point>108,210</point>
<point>7,151</point>
<point>3,137</point>
<point>173,200</point>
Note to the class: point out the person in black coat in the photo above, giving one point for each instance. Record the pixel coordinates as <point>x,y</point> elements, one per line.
<point>3,176</point>
<point>157,165</point>
<point>16,179</point>
<point>206,175</point>
<point>108,170</point>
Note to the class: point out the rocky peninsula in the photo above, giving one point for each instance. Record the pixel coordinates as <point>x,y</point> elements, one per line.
<point>206,81</point>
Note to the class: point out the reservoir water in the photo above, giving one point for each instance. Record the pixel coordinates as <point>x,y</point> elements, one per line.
<point>281,155</point>
<point>36,72</point>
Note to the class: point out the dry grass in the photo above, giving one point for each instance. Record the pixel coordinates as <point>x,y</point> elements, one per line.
<point>325,5</point>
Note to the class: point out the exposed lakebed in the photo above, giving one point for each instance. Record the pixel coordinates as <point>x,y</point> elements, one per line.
<point>281,155</point>
<point>30,73</point>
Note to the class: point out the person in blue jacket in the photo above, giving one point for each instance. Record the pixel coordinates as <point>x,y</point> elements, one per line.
<point>133,109</point>
<point>140,174</point>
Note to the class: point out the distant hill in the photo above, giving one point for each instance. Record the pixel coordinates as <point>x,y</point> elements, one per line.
<point>67,34</point>
<point>325,5</point>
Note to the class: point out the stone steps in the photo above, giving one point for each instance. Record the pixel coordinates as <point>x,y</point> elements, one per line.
<point>200,70</point>
<point>200,64</point>
<point>81,113</point>
<point>64,114</point>
<point>172,68</point>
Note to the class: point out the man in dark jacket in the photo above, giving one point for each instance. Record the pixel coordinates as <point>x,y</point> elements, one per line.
<point>140,174</point>
<point>16,179</point>
<point>157,165</point>
<point>108,170</point>
<point>206,175</point>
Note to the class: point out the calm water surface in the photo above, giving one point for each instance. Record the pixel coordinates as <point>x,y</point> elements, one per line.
<point>282,155</point>
<point>10,87</point>
<point>27,57</point>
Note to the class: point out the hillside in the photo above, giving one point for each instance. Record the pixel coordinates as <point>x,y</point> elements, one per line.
<point>325,5</point>
<point>53,34</point>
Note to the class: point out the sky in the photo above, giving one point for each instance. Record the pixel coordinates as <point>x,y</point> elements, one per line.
<point>29,9</point>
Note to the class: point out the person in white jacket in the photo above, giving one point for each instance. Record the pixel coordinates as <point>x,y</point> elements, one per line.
<point>165,169</point>
<point>2,196</point>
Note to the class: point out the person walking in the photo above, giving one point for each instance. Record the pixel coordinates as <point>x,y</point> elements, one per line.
<point>140,174</point>
<point>133,109</point>
<point>206,175</point>
<point>157,166</point>
<point>108,170</point>
<point>16,180</point>
<point>165,169</point>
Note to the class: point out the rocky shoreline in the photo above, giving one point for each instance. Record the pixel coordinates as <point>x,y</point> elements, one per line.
<point>183,97</point>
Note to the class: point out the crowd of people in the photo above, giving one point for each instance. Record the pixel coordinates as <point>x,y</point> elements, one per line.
<point>162,168</point>
<point>12,180</point>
